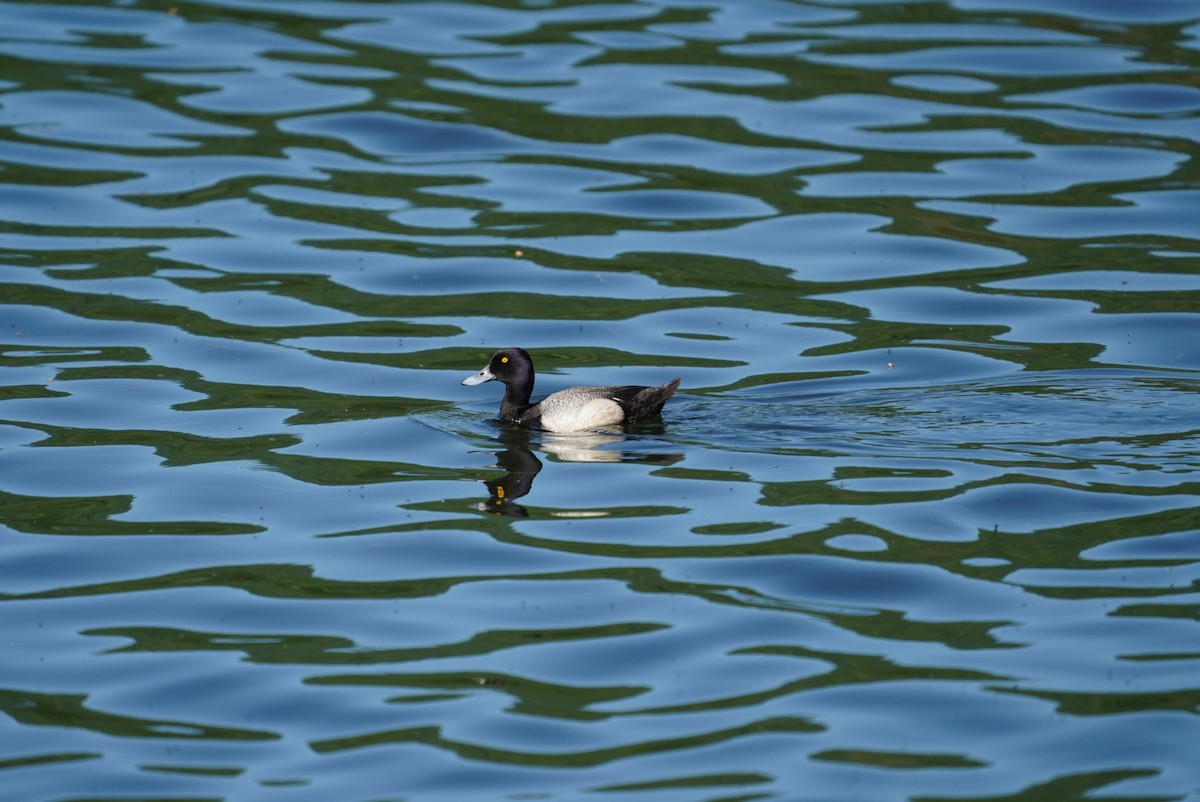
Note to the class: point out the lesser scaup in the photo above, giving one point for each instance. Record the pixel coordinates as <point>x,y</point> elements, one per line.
<point>573,410</point>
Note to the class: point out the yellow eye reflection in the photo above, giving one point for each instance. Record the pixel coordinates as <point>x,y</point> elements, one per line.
<point>503,359</point>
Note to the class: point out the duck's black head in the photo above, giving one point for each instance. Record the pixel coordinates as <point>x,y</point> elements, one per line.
<point>513,366</point>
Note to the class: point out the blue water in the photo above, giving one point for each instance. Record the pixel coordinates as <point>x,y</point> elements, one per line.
<point>922,523</point>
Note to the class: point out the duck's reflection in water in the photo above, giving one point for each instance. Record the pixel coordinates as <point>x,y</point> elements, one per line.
<point>521,464</point>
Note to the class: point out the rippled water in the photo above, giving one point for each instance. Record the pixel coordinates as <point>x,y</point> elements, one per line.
<point>921,525</point>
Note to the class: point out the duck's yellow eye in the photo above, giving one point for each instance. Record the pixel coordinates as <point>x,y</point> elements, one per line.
<point>503,359</point>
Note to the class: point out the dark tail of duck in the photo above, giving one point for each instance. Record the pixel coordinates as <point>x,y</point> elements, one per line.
<point>649,400</point>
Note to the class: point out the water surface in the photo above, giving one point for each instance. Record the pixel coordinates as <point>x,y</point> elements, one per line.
<point>921,525</point>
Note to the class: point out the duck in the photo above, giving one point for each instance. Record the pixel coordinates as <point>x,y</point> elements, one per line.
<point>576,409</point>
